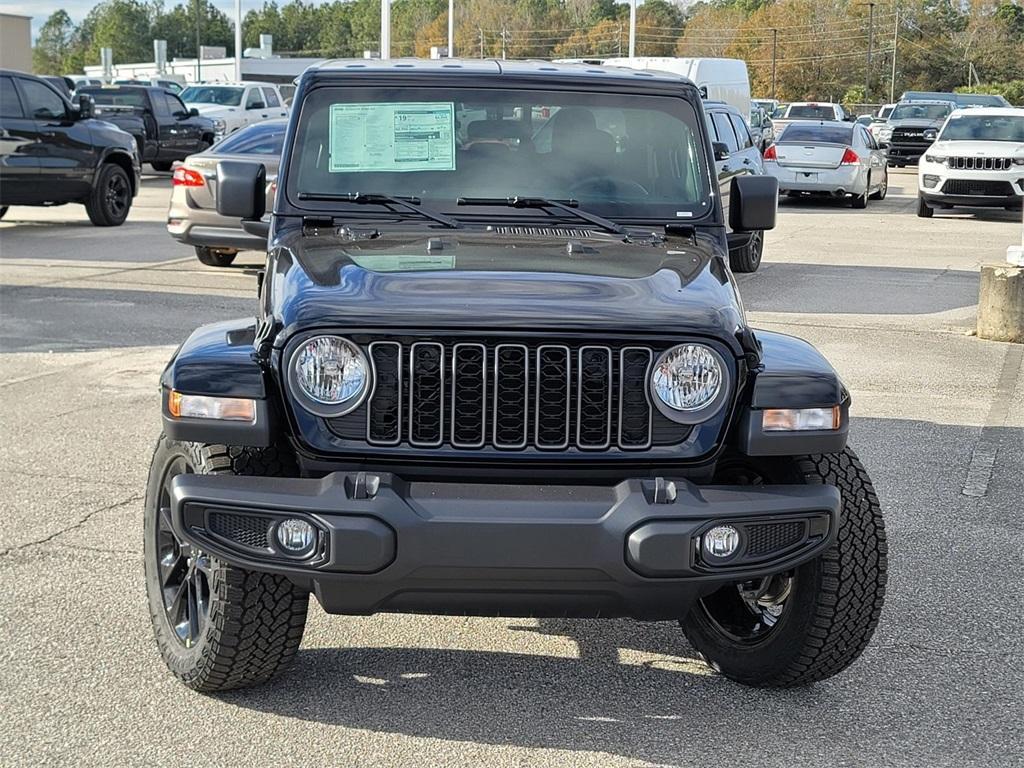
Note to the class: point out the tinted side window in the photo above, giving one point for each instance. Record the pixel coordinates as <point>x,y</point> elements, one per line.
<point>711,126</point>
<point>43,101</point>
<point>10,104</point>
<point>176,105</point>
<point>725,132</point>
<point>741,131</point>
<point>271,98</point>
<point>160,107</point>
<point>253,98</point>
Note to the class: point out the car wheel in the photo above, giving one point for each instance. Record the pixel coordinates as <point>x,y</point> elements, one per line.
<point>883,190</point>
<point>217,627</point>
<point>161,165</point>
<point>860,201</point>
<point>748,257</point>
<point>923,209</point>
<point>812,621</point>
<point>212,257</point>
<point>110,199</point>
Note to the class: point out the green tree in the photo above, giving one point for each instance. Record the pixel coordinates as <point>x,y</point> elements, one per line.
<point>50,55</point>
<point>178,28</point>
<point>121,25</point>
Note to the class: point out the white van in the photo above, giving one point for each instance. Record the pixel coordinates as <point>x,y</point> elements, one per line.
<point>719,79</point>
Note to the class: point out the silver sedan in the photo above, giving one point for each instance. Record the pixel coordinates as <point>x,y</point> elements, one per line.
<point>828,158</point>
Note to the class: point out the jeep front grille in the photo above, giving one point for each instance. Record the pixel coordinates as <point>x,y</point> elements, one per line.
<point>980,163</point>
<point>511,395</point>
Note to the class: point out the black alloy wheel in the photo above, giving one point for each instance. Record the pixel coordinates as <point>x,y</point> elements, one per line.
<point>184,571</point>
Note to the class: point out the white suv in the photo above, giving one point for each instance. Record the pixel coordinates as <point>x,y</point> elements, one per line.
<point>235,105</point>
<point>977,160</point>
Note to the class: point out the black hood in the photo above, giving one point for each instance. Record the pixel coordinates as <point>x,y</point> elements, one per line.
<point>506,280</point>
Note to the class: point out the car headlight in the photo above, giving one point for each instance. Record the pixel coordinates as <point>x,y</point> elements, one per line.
<point>935,158</point>
<point>1018,161</point>
<point>689,383</point>
<point>220,125</point>
<point>329,374</point>
<point>930,134</point>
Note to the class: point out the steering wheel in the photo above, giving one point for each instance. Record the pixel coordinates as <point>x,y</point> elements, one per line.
<point>606,185</point>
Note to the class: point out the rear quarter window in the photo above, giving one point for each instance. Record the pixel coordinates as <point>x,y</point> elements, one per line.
<point>10,104</point>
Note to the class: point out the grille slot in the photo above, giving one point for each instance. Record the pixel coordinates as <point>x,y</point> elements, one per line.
<point>469,395</point>
<point>426,394</point>
<point>384,411</point>
<point>980,163</point>
<point>594,398</point>
<point>634,407</point>
<point>977,187</point>
<point>766,538</point>
<point>511,395</point>
<point>247,530</point>
<point>553,389</point>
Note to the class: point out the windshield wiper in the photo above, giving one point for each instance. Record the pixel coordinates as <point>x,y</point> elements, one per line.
<point>375,198</point>
<point>568,206</point>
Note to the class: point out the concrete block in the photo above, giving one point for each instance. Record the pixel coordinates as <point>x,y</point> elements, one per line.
<point>1001,303</point>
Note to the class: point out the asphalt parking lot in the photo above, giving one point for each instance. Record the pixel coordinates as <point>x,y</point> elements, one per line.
<point>89,316</point>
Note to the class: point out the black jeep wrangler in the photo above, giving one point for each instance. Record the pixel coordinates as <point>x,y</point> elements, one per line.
<point>500,368</point>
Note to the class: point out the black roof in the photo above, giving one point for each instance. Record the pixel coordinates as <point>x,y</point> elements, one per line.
<point>492,68</point>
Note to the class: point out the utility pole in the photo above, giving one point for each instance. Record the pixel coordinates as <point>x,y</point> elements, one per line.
<point>238,41</point>
<point>618,42</point>
<point>481,41</point>
<point>451,29</point>
<point>502,43</point>
<point>871,41</point>
<point>199,56</point>
<point>895,42</point>
<point>775,45</point>
<point>385,29</point>
<point>632,28</point>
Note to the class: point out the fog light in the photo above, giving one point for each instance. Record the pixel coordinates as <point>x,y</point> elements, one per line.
<point>296,537</point>
<point>929,180</point>
<point>721,541</point>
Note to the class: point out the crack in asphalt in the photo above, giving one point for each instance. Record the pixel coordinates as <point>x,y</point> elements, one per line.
<point>73,526</point>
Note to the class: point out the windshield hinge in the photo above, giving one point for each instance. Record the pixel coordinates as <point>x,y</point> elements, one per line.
<point>314,225</point>
<point>682,230</point>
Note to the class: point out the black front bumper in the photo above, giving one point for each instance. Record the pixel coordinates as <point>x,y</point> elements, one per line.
<point>630,549</point>
<point>906,152</point>
<point>974,201</point>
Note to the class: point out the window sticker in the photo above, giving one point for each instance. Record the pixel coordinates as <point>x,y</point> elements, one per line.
<point>404,136</point>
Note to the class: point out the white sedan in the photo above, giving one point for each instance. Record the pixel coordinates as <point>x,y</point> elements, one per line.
<point>828,158</point>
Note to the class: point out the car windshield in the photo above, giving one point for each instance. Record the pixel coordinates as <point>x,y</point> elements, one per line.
<point>816,133</point>
<point>259,139</point>
<point>617,155</point>
<point>914,111</point>
<point>815,111</point>
<point>212,94</point>
<point>984,128</point>
<point>116,97</point>
<point>884,112</point>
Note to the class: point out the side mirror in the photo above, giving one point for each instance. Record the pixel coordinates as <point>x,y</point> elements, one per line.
<point>193,112</point>
<point>241,189</point>
<point>753,203</point>
<point>85,106</point>
<point>721,151</point>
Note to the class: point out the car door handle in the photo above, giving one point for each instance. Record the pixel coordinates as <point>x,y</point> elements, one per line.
<point>264,114</point>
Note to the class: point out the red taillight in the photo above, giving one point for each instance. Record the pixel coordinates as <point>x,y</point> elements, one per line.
<point>849,157</point>
<point>769,154</point>
<point>186,177</point>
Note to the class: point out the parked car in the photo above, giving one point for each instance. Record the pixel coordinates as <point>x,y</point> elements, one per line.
<point>761,128</point>
<point>977,160</point>
<point>736,154</point>
<point>464,395</point>
<point>192,216</point>
<point>878,124</point>
<point>959,99</point>
<point>64,85</point>
<point>54,152</point>
<point>175,86</point>
<point>235,105</point>
<point>828,158</point>
<point>725,80</point>
<point>809,110</point>
<point>164,128</point>
<point>911,129</point>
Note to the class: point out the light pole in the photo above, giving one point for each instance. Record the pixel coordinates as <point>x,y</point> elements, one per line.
<point>451,29</point>
<point>632,28</point>
<point>238,41</point>
<point>385,29</point>
<point>775,45</point>
<point>199,51</point>
<point>871,41</point>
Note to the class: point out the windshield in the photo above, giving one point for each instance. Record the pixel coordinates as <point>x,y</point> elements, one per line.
<point>812,110</point>
<point>117,97</point>
<point>984,128</point>
<point>260,139</point>
<point>618,155</point>
<point>817,134</point>
<point>212,94</point>
<point>884,112</point>
<point>914,111</point>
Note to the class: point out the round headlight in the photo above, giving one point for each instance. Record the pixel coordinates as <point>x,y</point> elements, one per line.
<point>689,378</point>
<point>330,371</point>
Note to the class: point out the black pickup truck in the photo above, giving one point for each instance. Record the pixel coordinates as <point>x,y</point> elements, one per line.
<point>499,367</point>
<point>164,128</point>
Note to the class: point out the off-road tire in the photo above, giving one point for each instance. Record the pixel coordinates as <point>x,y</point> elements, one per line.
<point>256,620</point>
<point>214,258</point>
<point>837,597</point>
<point>924,210</point>
<point>748,258</point>
<point>110,198</point>
<point>162,165</point>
